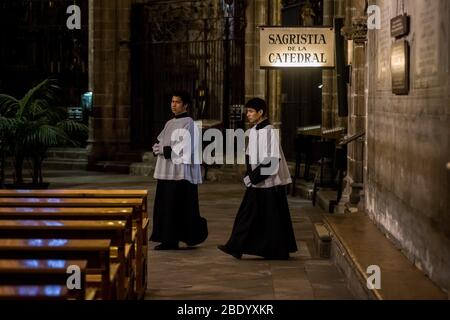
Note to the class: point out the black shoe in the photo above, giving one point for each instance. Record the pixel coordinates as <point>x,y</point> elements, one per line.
<point>167,246</point>
<point>225,249</point>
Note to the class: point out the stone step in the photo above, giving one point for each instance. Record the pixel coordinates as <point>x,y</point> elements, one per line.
<point>226,173</point>
<point>130,156</point>
<point>111,166</point>
<point>322,240</point>
<point>67,153</point>
<point>64,164</point>
<point>359,248</point>
<point>326,199</point>
<point>143,169</point>
<point>304,189</point>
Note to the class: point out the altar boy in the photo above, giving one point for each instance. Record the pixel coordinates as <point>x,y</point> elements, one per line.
<point>176,215</point>
<point>263,225</point>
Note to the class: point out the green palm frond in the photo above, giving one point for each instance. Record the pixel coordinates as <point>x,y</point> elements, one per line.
<point>8,105</point>
<point>37,107</point>
<point>72,127</point>
<point>7,124</point>
<point>47,113</point>
<point>46,135</point>
<point>43,92</point>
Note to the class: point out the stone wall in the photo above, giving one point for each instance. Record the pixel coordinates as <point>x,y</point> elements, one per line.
<point>407,183</point>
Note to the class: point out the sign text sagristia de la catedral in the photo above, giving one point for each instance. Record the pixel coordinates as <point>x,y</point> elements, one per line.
<point>282,47</point>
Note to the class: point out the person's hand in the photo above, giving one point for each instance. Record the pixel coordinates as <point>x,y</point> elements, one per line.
<point>156,149</point>
<point>247,181</point>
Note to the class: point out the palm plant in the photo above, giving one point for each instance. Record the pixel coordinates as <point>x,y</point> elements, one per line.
<point>31,125</point>
<point>7,127</point>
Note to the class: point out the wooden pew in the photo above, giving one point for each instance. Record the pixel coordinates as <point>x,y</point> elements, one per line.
<point>79,229</point>
<point>42,272</point>
<point>41,292</point>
<point>34,292</point>
<point>95,252</point>
<point>75,193</point>
<point>79,193</point>
<point>140,221</point>
<point>27,213</point>
<point>58,213</point>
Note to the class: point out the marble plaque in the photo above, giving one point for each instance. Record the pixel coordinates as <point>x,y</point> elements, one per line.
<point>427,46</point>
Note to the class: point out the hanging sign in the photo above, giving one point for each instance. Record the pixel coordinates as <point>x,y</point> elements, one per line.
<point>400,26</point>
<point>290,47</point>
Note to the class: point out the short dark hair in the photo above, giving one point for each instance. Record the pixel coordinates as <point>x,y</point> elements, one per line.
<point>184,95</point>
<point>257,104</point>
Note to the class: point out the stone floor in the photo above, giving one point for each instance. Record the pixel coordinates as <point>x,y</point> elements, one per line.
<point>204,272</point>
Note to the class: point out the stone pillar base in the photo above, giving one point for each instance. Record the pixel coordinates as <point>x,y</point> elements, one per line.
<point>356,202</point>
<point>98,151</point>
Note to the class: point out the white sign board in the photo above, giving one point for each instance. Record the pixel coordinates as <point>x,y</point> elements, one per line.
<point>287,47</point>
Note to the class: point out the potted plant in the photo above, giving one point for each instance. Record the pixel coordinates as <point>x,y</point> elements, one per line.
<point>31,125</point>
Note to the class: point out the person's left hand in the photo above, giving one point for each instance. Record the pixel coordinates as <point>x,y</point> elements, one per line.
<point>156,149</point>
<point>247,181</point>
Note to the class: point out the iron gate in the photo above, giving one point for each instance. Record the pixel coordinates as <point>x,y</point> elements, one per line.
<point>196,46</point>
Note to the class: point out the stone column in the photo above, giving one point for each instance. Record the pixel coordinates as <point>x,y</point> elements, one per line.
<point>356,30</point>
<point>329,99</point>
<point>274,76</point>
<point>109,78</point>
<point>357,120</point>
<point>255,78</point>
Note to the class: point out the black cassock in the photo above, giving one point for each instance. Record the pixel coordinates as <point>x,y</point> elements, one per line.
<point>263,225</point>
<point>177,218</point>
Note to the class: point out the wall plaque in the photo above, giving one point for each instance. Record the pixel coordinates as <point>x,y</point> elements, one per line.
<point>400,67</point>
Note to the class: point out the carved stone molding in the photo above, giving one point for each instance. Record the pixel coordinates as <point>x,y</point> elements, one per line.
<point>359,25</point>
<point>357,31</point>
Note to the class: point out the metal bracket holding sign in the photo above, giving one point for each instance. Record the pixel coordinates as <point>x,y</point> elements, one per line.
<point>288,47</point>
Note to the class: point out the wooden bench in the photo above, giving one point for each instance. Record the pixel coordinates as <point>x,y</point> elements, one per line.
<point>67,193</point>
<point>48,213</point>
<point>138,205</point>
<point>16,213</point>
<point>34,292</point>
<point>80,193</point>
<point>95,252</point>
<point>41,292</point>
<point>78,229</point>
<point>42,272</point>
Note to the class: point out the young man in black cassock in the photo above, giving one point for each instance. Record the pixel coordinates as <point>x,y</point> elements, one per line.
<point>263,225</point>
<point>176,215</point>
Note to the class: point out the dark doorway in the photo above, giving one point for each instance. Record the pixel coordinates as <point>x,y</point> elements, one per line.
<point>189,45</point>
<point>36,44</point>
<point>301,87</point>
